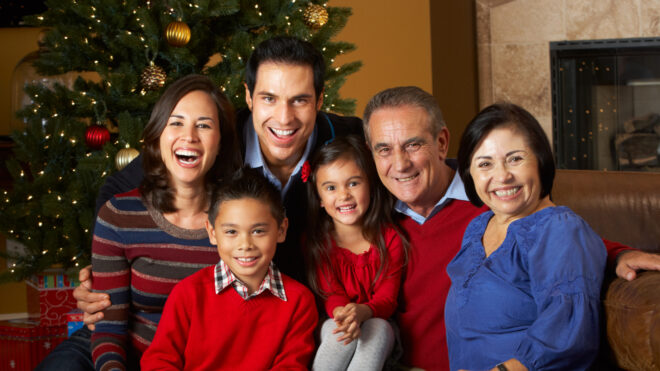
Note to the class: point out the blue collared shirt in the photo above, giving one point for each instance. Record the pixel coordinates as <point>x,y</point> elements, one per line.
<point>254,157</point>
<point>456,191</point>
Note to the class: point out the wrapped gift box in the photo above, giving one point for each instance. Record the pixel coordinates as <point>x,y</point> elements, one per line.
<point>25,343</point>
<point>74,321</point>
<point>50,297</point>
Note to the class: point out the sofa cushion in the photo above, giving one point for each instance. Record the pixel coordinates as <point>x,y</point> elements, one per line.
<point>633,321</point>
<point>620,206</point>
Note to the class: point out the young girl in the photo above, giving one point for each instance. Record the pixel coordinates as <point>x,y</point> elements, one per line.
<point>355,256</point>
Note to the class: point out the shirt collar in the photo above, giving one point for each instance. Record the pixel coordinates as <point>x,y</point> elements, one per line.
<point>455,191</point>
<point>272,282</point>
<point>254,157</point>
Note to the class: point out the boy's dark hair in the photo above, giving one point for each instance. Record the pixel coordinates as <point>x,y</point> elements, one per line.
<point>290,50</point>
<point>247,183</point>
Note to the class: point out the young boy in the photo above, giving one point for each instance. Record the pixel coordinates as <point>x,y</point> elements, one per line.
<point>241,314</point>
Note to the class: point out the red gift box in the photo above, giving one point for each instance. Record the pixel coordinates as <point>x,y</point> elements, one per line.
<point>50,297</point>
<point>25,343</point>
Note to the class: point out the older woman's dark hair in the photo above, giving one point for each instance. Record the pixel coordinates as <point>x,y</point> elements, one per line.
<point>514,117</point>
<point>155,187</point>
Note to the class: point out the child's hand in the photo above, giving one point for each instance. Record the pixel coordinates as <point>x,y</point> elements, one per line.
<point>348,319</point>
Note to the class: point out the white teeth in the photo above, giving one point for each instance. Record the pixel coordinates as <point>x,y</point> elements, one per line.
<point>346,208</point>
<point>187,153</point>
<point>508,192</point>
<point>406,179</point>
<point>282,133</point>
<point>246,260</point>
<point>187,156</point>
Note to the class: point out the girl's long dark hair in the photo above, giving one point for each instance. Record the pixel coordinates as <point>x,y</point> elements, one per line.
<point>379,214</point>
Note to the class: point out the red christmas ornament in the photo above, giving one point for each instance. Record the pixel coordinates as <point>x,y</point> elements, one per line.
<point>96,136</point>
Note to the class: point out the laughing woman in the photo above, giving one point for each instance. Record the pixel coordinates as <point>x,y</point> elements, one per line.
<point>147,240</point>
<point>526,282</point>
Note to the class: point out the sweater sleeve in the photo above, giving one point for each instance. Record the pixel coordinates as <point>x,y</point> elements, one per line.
<point>122,181</point>
<point>167,349</point>
<point>332,287</point>
<point>384,298</point>
<point>613,251</point>
<point>298,344</point>
<point>111,275</point>
<point>566,263</point>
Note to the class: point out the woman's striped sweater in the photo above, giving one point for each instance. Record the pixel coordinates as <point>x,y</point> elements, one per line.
<point>137,258</point>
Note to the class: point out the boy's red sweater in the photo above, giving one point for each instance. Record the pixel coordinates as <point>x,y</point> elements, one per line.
<point>202,330</point>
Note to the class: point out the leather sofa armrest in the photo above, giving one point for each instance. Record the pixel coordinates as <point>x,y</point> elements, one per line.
<point>632,310</point>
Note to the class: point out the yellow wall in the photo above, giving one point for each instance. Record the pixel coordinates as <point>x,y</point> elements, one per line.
<point>393,40</point>
<point>17,43</point>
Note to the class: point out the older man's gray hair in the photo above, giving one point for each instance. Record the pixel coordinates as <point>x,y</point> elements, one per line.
<point>405,96</point>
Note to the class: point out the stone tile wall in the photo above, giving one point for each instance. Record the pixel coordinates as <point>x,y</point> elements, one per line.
<point>513,42</point>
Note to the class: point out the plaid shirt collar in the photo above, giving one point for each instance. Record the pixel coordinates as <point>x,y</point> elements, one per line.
<point>272,282</point>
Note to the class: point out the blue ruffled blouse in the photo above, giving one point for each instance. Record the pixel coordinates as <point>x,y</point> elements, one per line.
<point>536,298</point>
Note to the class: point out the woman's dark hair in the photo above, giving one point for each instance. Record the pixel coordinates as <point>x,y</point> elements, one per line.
<point>379,214</point>
<point>289,50</point>
<point>514,117</point>
<point>155,187</point>
<point>247,183</point>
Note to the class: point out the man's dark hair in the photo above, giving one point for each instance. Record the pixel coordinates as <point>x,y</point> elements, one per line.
<point>288,50</point>
<point>506,115</point>
<point>247,183</point>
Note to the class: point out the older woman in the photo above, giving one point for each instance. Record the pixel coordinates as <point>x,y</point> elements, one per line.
<point>147,240</point>
<point>526,282</point>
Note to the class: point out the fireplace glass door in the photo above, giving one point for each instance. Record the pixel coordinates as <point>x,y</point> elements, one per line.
<point>606,104</point>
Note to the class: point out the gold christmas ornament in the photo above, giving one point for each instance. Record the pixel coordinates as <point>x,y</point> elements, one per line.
<point>125,156</point>
<point>315,16</point>
<point>153,77</point>
<point>177,33</point>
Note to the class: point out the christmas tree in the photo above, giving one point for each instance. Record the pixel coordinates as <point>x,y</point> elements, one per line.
<point>75,136</point>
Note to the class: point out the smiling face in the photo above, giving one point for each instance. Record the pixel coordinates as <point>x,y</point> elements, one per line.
<point>247,233</point>
<point>190,140</point>
<point>284,107</point>
<point>409,159</point>
<point>506,174</point>
<point>344,191</point>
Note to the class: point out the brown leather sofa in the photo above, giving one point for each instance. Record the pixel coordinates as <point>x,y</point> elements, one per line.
<point>623,207</point>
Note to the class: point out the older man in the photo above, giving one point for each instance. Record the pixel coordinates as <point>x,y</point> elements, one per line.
<point>409,141</point>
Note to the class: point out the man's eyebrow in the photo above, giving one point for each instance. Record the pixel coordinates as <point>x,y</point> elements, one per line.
<point>381,145</point>
<point>264,92</point>
<point>304,95</point>
<point>414,140</point>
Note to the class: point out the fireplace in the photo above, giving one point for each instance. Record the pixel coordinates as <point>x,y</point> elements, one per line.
<point>606,104</point>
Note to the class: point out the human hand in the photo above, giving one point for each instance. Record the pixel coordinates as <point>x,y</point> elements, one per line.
<point>349,318</point>
<point>629,262</point>
<point>91,303</point>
